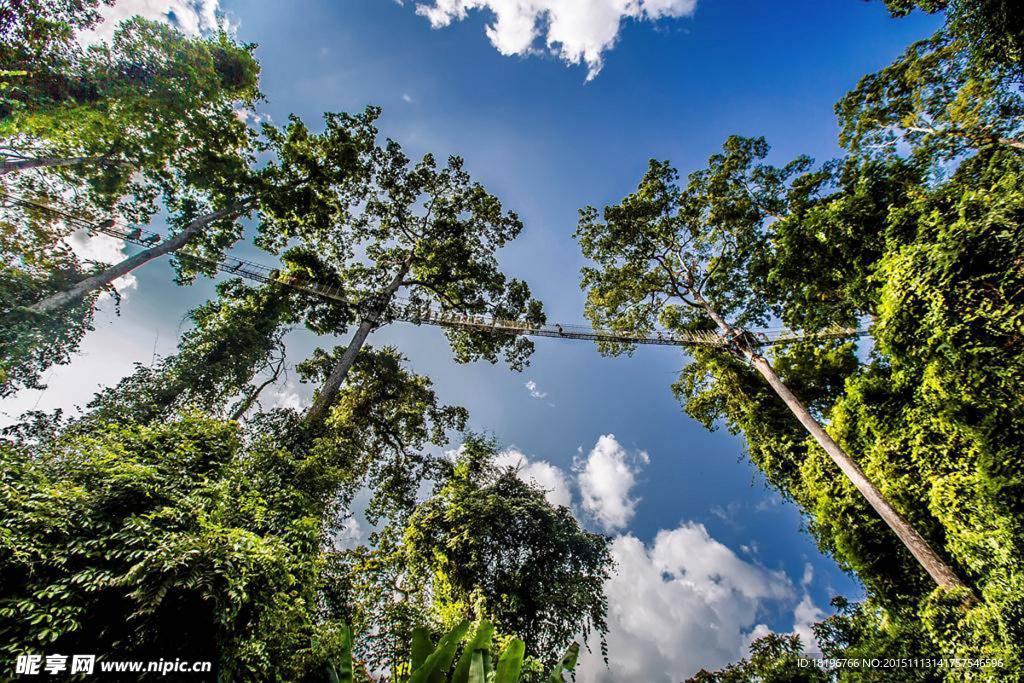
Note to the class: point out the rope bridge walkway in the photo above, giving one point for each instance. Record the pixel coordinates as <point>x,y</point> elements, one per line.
<point>422,315</point>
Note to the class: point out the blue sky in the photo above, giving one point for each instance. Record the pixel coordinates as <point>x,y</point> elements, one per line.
<point>707,554</point>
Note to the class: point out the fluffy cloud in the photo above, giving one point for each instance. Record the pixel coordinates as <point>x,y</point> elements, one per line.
<point>287,396</point>
<point>543,474</point>
<point>807,613</point>
<point>578,31</point>
<point>683,603</point>
<point>100,248</point>
<point>606,478</point>
<point>349,535</point>
<point>534,390</point>
<point>192,17</point>
<point>805,616</point>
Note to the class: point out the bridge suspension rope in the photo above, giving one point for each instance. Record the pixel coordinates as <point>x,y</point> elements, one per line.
<point>406,311</point>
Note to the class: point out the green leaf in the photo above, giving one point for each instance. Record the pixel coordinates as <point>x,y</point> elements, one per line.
<point>481,641</point>
<point>568,663</point>
<point>434,669</point>
<point>421,647</point>
<point>476,667</point>
<point>344,669</point>
<point>511,662</point>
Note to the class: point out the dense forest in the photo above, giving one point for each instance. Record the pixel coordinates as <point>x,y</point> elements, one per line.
<point>175,516</point>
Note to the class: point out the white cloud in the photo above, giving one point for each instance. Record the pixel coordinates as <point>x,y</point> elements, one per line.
<point>805,616</point>
<point>770,503</point>
<point>349,535</point>
<point>808,576</point>
<point>606,478</point>
<point>100,248</point>
<point>254,119</point>
<point>543,474</point>
<point>191,17</point>
<point>578,31</point>
<point>287,396</point>
<point>683,603</point>
<point>407,98</point>
<point>534,390</point>
<point>729,513</point>
<point>807,613</point>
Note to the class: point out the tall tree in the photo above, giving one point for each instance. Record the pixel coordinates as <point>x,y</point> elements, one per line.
<point>161,120</point>
<point>933,412</point>
<point>299,180</point>
<point>162,107</point>
<point>424,232</point>
<point>689,258</point>
<point>484,544</point>
<point>35,265</point>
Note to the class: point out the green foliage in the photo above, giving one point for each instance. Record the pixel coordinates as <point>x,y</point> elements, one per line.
<point>994,29</point>
<point>380,426</point>
<point>37,38</point>
<point>161,541</point>
<point>938,99</point>
<point>187,529</point>
<point>837,224</point>
<point>773,659</point>
<point>235,337</point>
<point>149,98</point>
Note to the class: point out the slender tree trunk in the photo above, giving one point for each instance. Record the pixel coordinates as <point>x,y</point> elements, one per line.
<point>26,164</point>
<point>936,567</point>
<point>325,397</point>
<point>126,266</point>
<point>244,406</point>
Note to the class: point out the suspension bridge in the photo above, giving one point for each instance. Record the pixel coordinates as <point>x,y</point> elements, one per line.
<point>418,314</point>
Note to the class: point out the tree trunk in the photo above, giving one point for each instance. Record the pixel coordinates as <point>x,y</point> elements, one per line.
<point>126,266</point>
<point>936,567</point>
<point>325,397</point>
<point>27,164</point>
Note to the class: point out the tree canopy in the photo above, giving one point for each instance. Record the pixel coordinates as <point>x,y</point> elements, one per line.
<point>483,544</point>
